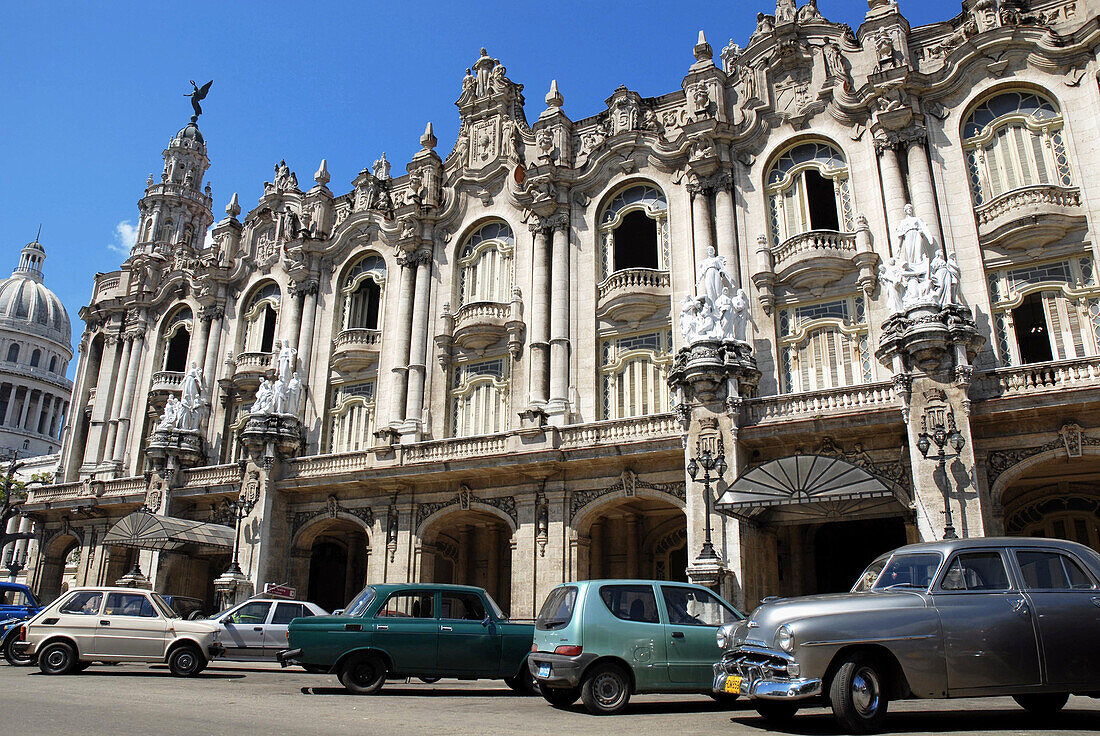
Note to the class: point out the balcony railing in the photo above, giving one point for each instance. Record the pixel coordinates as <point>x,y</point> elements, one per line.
<point>633,294</point>
<point>253,362</point>
<point>787,407</point>
<point>480,324</point>
<point>167,381</point>
<point>1037,378</point>
<point>356,348</point>
<point>214,475</point>
<point>1030,217</point>
<point>1043,195</point>
<point>812,243</point>
<point>358,337</point>
<point>617,431</point>
<point>632,279</point>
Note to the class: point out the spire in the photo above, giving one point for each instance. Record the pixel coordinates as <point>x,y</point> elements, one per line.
<point>322,176</point>
<point>554,97</point>
<point>30,260</point>
<point>428,140</point>
<point>702,50</point>
<point>234,207</point>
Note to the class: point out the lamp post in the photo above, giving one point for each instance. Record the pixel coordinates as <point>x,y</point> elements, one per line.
<point>14,563</point>
<point>241,508</point>
<point>708,461</point>
<point>943,434</point>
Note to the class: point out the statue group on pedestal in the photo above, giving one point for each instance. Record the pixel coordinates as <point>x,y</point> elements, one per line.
<point>284,394</point>
<point>919,273</point>
<point>185,413</point>
<point>721,311</point>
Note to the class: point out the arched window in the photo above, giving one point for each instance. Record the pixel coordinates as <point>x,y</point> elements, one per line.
<point>353,418</point>
<point>634,230</point>
<point>177,341</point>
<point>261,318</point>
<point>486,265</point>
<point>807,189</point>
<point>53,364</point>
<point>635,374</point>
<point>479,398</point>
<point>824,345</point>
<point>13,353</point>
<point>166,231</point>
<point>1014,140</point>
<point>362,290</point>
<point>36,358</point>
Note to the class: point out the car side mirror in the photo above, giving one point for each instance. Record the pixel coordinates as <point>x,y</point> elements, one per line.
<point>486,621</point>
<point>338,612</point>
<point>227,620</point>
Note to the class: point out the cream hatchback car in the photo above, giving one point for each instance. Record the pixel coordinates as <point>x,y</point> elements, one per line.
<point>117,625</point>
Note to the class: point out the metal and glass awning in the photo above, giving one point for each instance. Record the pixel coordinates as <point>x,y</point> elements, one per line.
<point>801,479</point>
<point>144,530</point>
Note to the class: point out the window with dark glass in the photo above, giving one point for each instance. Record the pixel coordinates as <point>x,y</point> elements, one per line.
<point>463,606</point>
<point>267,340</point>
<point>408,605</point>
<point>976,571</point>
<point>178,345</point>
<point>636,242</point>
<point>1044,570</point>
<point>631,602</point>
<point>286,612</point>
<point>1030,322</point>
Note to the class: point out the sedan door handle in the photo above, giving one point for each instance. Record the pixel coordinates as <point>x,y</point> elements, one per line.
<point>379,627</point>
<point>1096,601</point>
<point>257,628</point>
<point>445,628</point>
<point>1021,607</point>
<point>104,623</point>
<point>677,635</point>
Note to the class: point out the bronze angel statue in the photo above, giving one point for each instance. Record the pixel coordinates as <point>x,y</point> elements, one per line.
<point>197,96</point>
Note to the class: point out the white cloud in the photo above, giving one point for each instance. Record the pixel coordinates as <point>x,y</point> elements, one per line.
<point>126,236</point>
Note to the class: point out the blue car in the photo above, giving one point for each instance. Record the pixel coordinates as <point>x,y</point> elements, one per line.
<point>17,604</point>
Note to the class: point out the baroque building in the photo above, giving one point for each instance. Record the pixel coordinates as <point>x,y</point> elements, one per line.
<point>829,259</point>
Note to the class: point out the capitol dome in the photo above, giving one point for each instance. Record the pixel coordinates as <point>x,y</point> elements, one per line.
<point>26,303</point>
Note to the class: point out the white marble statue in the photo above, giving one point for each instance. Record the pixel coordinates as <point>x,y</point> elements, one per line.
<point>945,279</point>
<point>264,398</point>
<point>916,247</point>
<point>288,361</point>
<point>278,396</point>
<point>723,307</point>
<point>172,416</point>
<point>192,397</point>
<point>713,275</point>
<point>741,316</point>
<point>721,311</point>
<point>293,395</point>
<point>891,275</point>
<point>689,316</point>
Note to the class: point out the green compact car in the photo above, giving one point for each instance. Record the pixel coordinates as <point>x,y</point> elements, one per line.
<point>413,630</point>
<point>603,640</point>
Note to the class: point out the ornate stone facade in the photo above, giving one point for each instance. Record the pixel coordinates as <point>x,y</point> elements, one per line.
<point>817,259</point>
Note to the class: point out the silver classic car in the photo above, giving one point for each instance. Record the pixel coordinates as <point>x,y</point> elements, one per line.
<point>957,618</point>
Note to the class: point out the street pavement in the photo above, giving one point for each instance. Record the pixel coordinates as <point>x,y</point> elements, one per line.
<point>262,700</point>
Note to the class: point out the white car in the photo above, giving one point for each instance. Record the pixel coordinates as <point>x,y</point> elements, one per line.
<point>117,625</point>
<point>255,630</point>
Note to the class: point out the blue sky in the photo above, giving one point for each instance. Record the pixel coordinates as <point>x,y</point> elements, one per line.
<point>94,91</point>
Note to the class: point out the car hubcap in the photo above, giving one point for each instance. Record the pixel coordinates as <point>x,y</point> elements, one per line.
<point>186,661</point>
<point>56,660</point>
<point>364,673</point>
<point>865,691</point>
<point>608,689</point>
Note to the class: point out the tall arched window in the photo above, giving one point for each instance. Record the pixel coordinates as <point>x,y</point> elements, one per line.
<point>1014,140</point>
<point>807,189</point>
<point>824,345</point>
<point>13,353</point>
<point>261,318</point>
<point>177,341</point>
<point>485,262</point>
<point>634,230</point>
<point>635,374</point>
<point>353,418</point>
<point>479,398</point>
<point>362,291</point>
<point>36,358</point>
<point>53,364</point>
<point>166,230</point>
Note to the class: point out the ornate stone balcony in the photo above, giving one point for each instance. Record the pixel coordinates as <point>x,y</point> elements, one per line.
<point>814,404</point>
<point>356,348</point>
<point>166,382</point>
<point>1038,378</point>
<point>480,324</point>
<point>633,294</point>
<point>1030,217</point>
<point>251,367</point>
<point>814,258</point>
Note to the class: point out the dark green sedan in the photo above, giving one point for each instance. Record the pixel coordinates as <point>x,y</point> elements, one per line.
<point>413,630</point>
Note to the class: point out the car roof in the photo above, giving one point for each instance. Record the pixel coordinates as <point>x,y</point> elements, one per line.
<point>13,586</point>
<point>631,581</point>
<point>107,589</point>
<point>947,546</point>
<point>390,587</point>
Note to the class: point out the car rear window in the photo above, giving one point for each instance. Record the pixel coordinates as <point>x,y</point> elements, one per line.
<point>1045,570</point>
<point>84,603</point>
<point>631,602</point>
<point>557,611</point>
<point>286,612</point>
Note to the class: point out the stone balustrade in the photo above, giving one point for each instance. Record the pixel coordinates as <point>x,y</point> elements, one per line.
<point>105,284</point>
<point>619,431</point>
<point>254,363</point>
<point>1028,380</point>
<point>55,492</point>
<point>787,407</point>
<point>213,475</point>
<point>1030,217</point>
<point>632,279</point>
<point>356,348</point>
<point>358,337</point>
<point>124,486</point>
<point>167,381</point>
<point>633,294</point>
<point>180,190</point>
<point>480,324</point>
<point>812,242</point>
<point>1011,203</point>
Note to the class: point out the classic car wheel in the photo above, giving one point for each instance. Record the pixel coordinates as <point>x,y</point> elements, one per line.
<point>776,711</point>
<point>524,683</point>
<point>1042,703</point>
<point>186,661</point>
<point>13,657</point>
<point>606,690</point>
<point>560,697</point>
<point>363,675</point>
<point>58,658</point>
<point>858,695</point>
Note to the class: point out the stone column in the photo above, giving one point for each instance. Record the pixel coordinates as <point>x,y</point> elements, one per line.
<point>402,338</point>
<point>201,345</point>
<point>133,370</point>
<point>28,397</point>
<point>540,314</point>
<point>414,406</point>
<point>108,367</point>
<point>116,398</point>
<point>632,562</point>
<point>309,318</point>
<point>595,552</point>
<point>292,320</point>
<point>209,357</point>
<point>701,218</point>
<point>725,225</point>
<point>559,315</point>
<point>525,562</point>
<point>9,405</point>
<point>922,190</point>
<point>893,188</point>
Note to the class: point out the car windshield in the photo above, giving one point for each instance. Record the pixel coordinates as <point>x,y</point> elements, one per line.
<point>359,604</point>
<point>165,609</point>
<point>915,570</point>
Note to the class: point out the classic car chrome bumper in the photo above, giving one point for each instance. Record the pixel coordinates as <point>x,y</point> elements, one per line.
<point>288,657</point>
<point>765,674</point>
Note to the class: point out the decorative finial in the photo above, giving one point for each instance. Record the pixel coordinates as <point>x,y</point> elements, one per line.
<point>702,49</point>
<point>197,96</point>
<point>321,177</point>
<point>233,208</point>
<point>428,140</point>
<point>149,181</point>
<point>553,97</point>
<point>39,233</point>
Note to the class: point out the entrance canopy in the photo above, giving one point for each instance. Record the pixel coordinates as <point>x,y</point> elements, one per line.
<point>144,530</point>
<point>800,479</point>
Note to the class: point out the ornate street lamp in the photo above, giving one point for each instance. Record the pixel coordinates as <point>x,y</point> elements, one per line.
<point>242,507</point>
<point>943,434</point>
<point>14,564</point>
<point>708,461</point>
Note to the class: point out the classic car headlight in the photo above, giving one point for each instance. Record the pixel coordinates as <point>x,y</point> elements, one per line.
<point>784,638</point>
<point>722,636</point>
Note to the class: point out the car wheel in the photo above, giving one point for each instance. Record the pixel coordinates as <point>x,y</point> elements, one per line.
<point>776,711</point>
<point>315,669</point>
<point>723,699</point>
<point>187,661</point>
<point>363,675</point>
<point>429,680</point>
<point>58,658</point>
<point>524,683</point>
<point>560,697</point>
<point>858,695</point>
<point>1042,703</point>
<point>13,657</point>
<point>605,690</point>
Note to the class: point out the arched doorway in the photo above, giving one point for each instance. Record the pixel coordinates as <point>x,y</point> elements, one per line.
<point>633,538</point>
<point>469,547</point>
<point>843,549</point>
<point>1059,498</point>
<point>57,559</point>
<point>329,562</point>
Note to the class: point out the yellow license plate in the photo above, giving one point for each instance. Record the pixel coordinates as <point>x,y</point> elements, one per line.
<point>733,685</point>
